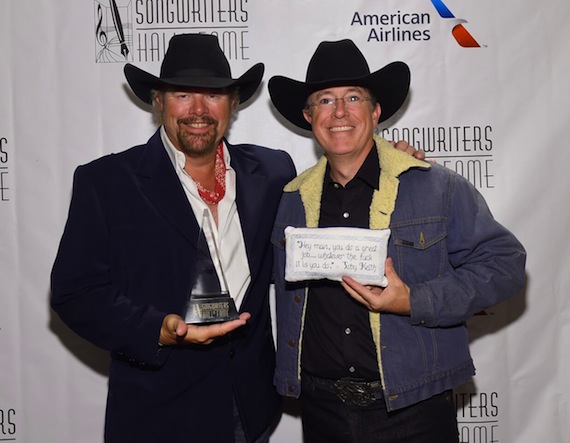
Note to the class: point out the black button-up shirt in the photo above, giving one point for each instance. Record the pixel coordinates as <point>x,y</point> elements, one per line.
<point>337,339</point>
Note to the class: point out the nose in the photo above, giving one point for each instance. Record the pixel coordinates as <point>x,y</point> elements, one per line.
<point>198,105</point>
<point>339,107</point>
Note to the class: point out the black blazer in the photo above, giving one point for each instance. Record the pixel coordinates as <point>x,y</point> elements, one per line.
<point>125,261</point>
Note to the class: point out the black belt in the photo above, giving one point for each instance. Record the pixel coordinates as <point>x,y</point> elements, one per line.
<point>350,392</point>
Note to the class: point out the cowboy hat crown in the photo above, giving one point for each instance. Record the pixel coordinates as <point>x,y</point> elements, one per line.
<point>340,63</point>
<point>195,61</point>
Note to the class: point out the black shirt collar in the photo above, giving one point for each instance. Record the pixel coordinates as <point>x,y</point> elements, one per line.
<point>369,172</point>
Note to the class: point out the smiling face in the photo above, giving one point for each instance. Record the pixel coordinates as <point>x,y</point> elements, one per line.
<point>195,120</point>
<point>343,120</point>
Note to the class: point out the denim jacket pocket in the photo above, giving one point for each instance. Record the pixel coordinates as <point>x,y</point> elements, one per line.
<point>419,249</point>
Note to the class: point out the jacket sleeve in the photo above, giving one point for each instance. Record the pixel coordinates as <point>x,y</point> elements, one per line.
<point>84,294</point>
<point>486,264</point>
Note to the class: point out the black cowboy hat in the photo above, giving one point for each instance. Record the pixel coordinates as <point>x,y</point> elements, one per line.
<point>340,63</point>
<point>193,60</point>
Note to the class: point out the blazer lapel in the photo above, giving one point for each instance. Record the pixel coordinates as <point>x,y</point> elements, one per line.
<point>162,187</point>
<point>250,184</point>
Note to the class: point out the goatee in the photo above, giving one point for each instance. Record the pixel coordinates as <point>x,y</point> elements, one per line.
<point>197,145</point>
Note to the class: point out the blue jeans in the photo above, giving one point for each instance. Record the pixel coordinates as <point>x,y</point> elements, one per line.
<point>326,419</point>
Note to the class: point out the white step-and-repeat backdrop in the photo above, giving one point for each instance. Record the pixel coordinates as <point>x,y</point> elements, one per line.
<point>489,99</point>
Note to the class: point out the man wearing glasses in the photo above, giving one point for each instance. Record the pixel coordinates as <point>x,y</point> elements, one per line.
<point>373,364</point>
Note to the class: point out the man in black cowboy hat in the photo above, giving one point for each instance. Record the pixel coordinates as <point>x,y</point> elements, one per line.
<point>125,264</point>
<point>374,364</point>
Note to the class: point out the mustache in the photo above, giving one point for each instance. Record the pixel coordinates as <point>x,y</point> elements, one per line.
<point>191,120</point>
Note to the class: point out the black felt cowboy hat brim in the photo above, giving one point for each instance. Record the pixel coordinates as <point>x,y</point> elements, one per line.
<point>142,83</point>
<point>389,86</point>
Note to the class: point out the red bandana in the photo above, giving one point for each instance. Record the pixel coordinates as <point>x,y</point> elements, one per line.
<point>214,197</point>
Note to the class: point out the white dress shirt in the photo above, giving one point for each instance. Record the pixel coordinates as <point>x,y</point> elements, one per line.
<point>228,236</point>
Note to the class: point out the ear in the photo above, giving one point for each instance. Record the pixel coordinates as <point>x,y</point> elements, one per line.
<point>158,99</point>
<point>376,113</point>
<point>234,101</point>
<point>307,116</point>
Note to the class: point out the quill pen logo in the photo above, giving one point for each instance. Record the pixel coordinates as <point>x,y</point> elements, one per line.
<point>461,35</point>
<point>119,28</point>
<point>113,35</point>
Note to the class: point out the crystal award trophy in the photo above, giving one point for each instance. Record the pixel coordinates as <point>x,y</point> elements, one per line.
<point>209,300</point>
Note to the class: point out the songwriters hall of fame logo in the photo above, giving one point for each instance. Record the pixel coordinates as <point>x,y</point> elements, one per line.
<point>114,35</point>
<point>139,30</point>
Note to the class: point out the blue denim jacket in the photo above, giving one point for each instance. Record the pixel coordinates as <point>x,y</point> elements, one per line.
<point>446,246</point>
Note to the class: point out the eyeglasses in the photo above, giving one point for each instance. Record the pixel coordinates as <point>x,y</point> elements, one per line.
<point>351,101</point>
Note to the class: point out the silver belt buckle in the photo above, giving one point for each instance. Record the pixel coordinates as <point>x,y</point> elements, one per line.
<point>356,394</point>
